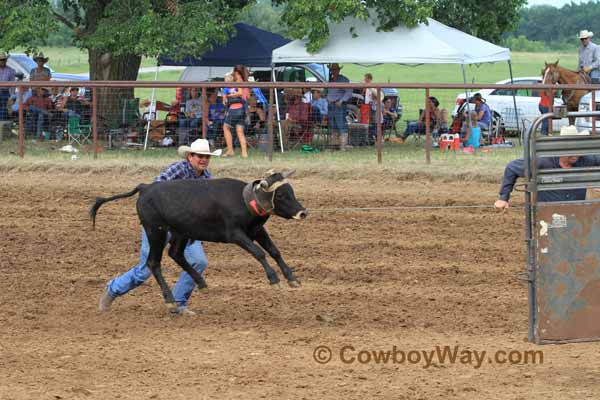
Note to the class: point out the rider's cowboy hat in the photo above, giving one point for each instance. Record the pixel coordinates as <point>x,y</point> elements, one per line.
<point>3,55</point>
<point>40,56</point>
<point>198,146</point>
<point>584,34</point>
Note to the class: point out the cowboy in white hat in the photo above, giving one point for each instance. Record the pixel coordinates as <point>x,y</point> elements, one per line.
<point>40,73</point>
<point>7,74</point>
<point>194,166</point>
<point>589,56</point>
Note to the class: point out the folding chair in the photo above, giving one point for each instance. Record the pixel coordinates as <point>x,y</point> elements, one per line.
<point>77,132</point>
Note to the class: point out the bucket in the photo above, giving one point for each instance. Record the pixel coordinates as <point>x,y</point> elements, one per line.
<point>263,142</point>
<point>365,111</point>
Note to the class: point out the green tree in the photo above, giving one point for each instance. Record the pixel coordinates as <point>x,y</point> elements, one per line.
<point>117,33</point>
<point>487,20</point>
<point>264,15</point>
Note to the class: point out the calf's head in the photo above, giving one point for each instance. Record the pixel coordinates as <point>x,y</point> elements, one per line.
<point>277,189</point>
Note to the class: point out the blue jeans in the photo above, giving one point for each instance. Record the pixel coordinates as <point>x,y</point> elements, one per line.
<point>544,110</point>
<point>4,96</point>
<point>35,117</point>
<point>337,118</point>
<point>194,254</point>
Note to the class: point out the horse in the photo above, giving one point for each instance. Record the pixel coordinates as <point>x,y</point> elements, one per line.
<point>554,73</point>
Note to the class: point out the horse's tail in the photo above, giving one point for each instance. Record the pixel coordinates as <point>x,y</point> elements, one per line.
<point>101,200</point>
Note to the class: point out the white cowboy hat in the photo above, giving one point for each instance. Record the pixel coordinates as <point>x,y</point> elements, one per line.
<point>4,55</point>
<point>572,130</point>
<point>198,146</point>
<point>585,34</point>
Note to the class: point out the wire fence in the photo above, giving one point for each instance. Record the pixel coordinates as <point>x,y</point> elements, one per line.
<point>272,117</point>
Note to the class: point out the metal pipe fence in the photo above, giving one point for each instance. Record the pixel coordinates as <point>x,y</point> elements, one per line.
<point>115,114</point>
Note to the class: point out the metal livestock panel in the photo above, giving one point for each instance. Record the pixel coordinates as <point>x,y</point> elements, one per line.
<point>568,272</point>
<point>563,240</point>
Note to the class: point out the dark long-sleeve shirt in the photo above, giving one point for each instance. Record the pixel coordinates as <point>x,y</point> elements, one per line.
<point>516,169</point>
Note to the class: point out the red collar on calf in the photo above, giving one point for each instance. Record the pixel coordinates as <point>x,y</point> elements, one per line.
<point>254,207</point>
<point>253,203</point>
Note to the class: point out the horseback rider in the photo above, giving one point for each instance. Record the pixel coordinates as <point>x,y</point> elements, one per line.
<point>589,56</point>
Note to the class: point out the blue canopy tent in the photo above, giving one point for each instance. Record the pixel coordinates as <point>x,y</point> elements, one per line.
<point>250,46</point>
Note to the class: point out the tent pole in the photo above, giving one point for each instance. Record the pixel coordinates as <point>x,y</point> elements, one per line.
<point>150,107</point>
<point>466,94</point>
<point>277,107</point>
<point>514,98</point>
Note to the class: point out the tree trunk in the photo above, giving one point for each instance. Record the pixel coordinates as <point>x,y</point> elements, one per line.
<point>105,66</point>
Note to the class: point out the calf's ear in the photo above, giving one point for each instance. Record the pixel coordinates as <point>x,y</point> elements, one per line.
<point>270,172</point>
<point>287,172</point>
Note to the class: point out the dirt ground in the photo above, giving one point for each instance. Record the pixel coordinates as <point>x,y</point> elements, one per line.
<point>370,280</point>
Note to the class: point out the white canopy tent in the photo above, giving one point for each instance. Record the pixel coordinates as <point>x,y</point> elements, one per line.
<point>431,43</point>
<point>357,41</point>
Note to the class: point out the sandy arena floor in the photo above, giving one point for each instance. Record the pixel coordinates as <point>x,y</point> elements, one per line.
<point>370,280</point>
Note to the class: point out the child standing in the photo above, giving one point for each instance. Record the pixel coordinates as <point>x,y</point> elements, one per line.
<point>473,136</point>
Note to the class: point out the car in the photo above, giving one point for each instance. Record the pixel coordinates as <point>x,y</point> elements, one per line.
<point>23,64</point>
<point>501,103</point>
<point>585,123</point>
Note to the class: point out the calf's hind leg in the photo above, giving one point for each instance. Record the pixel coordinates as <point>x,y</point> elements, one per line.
<point>157,237</point>
<point>177,253</point>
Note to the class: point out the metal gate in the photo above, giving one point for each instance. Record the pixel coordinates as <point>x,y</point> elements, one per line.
<point>563,260</point>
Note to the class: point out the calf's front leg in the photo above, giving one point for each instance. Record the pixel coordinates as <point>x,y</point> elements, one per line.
<point>263,238</point>
<point>242,240</point>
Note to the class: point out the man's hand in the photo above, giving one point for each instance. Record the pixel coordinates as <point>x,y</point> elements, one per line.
<point>338,103</point>
<point>586,69</point>
<point>501,205</point>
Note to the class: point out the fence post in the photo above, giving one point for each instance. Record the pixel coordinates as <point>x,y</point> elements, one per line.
<point>204,113</point>
<point>593,108</point>
<point>550,127</point>
<point>378,112</point>
<point>94,123</point>
<point>271,110</point>
<point>21,124</point>
<point>427,128</point>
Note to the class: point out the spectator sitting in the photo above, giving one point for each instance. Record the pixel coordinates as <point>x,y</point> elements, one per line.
<point>473,136</point>
<point>73,105</point>
<point>484,115</point>
<point>390,114</point>
<point>256,116</point>
<point>298,118</point>
<point>216,116</point>
<point>319,106</point>
<point>193,117</point>
<point>40,73</point>
<point>38,108</point>
<point>438,119</point>
<point>307,96</point>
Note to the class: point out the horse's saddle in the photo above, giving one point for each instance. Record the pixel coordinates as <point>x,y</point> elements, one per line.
<point>584,78</point>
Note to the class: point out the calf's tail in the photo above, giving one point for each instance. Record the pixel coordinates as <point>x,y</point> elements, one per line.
<point>101,200</point>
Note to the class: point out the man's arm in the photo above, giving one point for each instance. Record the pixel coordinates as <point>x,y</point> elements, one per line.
<point>514,170</point>
<point>595,58</point>
<point>173,172</point>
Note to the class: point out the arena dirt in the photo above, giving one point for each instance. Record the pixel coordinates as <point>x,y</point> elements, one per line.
<point>413,279</point>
